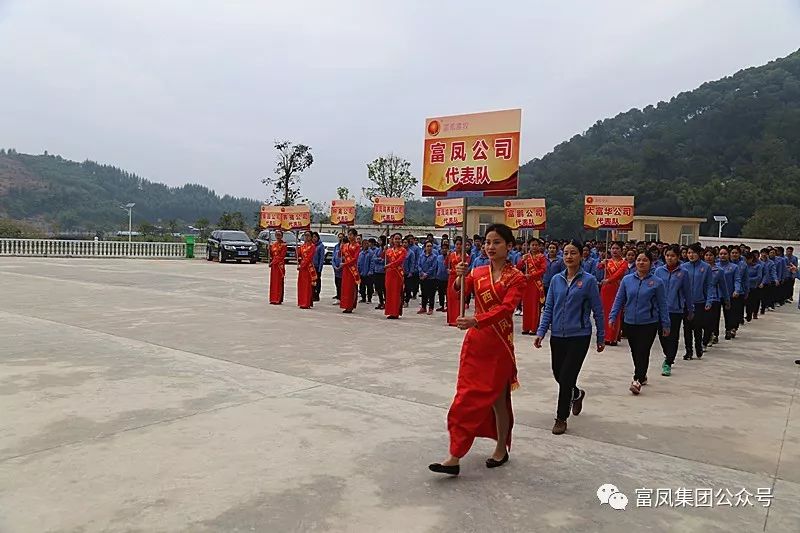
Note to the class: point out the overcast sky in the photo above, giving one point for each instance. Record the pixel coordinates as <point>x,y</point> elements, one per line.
<point>197,90</point>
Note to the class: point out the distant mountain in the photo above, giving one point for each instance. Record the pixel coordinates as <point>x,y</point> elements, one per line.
<point>726,148</point>
<point>59,194</point>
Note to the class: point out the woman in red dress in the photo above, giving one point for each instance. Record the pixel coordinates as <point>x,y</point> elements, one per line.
<point>453,299</point>
<point>306,273</point>
<point>615,269</point>
<point>395,257</point>
<point>533,265</point>
<point>277,269</point>
<point>487,370</point>
<point>350,276</point>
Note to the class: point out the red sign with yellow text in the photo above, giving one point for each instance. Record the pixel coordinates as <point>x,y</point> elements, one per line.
<point>608,212</point>
<point>270,217</point>
<point>526,214</point>
<point>472,155</point>
<point>388,210</point>
<point>449,213</point>
<point>343,212</point>
<point>296,217</point>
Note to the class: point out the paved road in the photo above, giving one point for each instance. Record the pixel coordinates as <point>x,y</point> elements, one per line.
<point>168,396</point>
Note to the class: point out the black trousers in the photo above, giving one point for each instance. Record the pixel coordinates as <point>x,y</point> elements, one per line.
<point>786,289</point>
<point>318,286</point>
<point>366,288</point>
<point>711,328</point>
<point>753,303</point>
<point>408,292</point>
<point>428,293</point>
<point>739,305</point>
<point>791,288</point>
<point>379,281</point>
<point>669,345</point>
<point>640,339</point>
<point>441,289</point>
<point>338,281</point>
<point>693,330</point>
<point>732,315</point>
<point>566,357</point>
<point>768,297</point>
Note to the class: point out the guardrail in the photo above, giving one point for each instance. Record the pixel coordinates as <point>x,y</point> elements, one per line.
<point>119,249</point>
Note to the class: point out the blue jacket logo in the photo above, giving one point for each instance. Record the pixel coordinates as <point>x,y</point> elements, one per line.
<point>651,283</point>
<point>580,284</point>
<point>679,273</point>
<point>702,269</point>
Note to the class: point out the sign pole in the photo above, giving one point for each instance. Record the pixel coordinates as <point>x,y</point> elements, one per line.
<point>463,291</point>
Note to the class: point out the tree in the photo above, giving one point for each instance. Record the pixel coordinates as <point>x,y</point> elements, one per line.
<point>343,193</point>
<point>320,212</point>
<point>232,221</point>
<point>392,178</point>
<point>172,226</point>
<point>146,228</point>
<point>17,229</point>
<point>773,222</point>
<point>201,223</point>
<point>292,160</point>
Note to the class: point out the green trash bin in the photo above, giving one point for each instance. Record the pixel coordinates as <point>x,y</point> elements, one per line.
<point>190,247</point>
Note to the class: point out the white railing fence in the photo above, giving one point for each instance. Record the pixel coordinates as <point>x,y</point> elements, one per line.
<point>62,248</point>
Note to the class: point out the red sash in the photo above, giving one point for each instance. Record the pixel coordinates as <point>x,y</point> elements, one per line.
<point>530,266</point>
<point>309,248</point>
<point>352,267</point>
<point>277,256</point>
<point>486,297</point>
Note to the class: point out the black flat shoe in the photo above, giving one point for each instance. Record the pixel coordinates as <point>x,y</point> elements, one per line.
<point>491,462</point>
<point>442,469</point>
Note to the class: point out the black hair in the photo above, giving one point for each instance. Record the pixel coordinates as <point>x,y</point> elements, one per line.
<point>373,241</point>
<point>648,255</point>
<point>502,230</point>
<point>696,248</point>
<point>674,248</point>
<point>315,234</point>
<point>396,234</point>
<point>352,231</point>
<point>458,239</point>
<point>576,243</point>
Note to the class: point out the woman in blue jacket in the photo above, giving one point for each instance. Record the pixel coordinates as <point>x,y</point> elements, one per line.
<point>734,291</point>
<point>718,296</point>
<point>644,299</point>
<point>755,280</point>
<point>679,303</point>
<point>573,294</point>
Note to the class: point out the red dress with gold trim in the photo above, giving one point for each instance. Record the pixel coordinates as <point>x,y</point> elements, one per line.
<point>487,367</point>
<point>615,270</point>
<point>533,267</point>
<point>277,271</point>
<point>350,276</point>
<point>395,257</point>
<point>306,275</point>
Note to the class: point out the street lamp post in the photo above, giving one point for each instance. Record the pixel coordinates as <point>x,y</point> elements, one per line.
<point>129,207</point>
<point>722,221</point>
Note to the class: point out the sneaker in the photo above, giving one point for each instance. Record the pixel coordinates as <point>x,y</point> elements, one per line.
<point>715,340</point>
<point>518,313</point>
<point>577,404</point>
<point>430,311</point>
<point>560,427</point>
<point>643,382</point>
<point>688,357</point>
<point>635,387</point>
<point>421,311</point>
<point>728,335</point>
<point>440,309</point>
<point>666,369</point>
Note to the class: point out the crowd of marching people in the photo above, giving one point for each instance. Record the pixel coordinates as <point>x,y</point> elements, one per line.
<point>635,291</point>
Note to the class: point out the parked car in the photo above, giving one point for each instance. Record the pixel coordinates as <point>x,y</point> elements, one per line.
<point>266,237</point>
<point>225,244</point>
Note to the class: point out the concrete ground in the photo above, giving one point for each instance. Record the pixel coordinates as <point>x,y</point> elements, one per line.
<point>168,396</point>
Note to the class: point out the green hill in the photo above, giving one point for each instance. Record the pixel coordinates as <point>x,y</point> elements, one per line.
<point>726,148</point>
<point>62,195</point>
